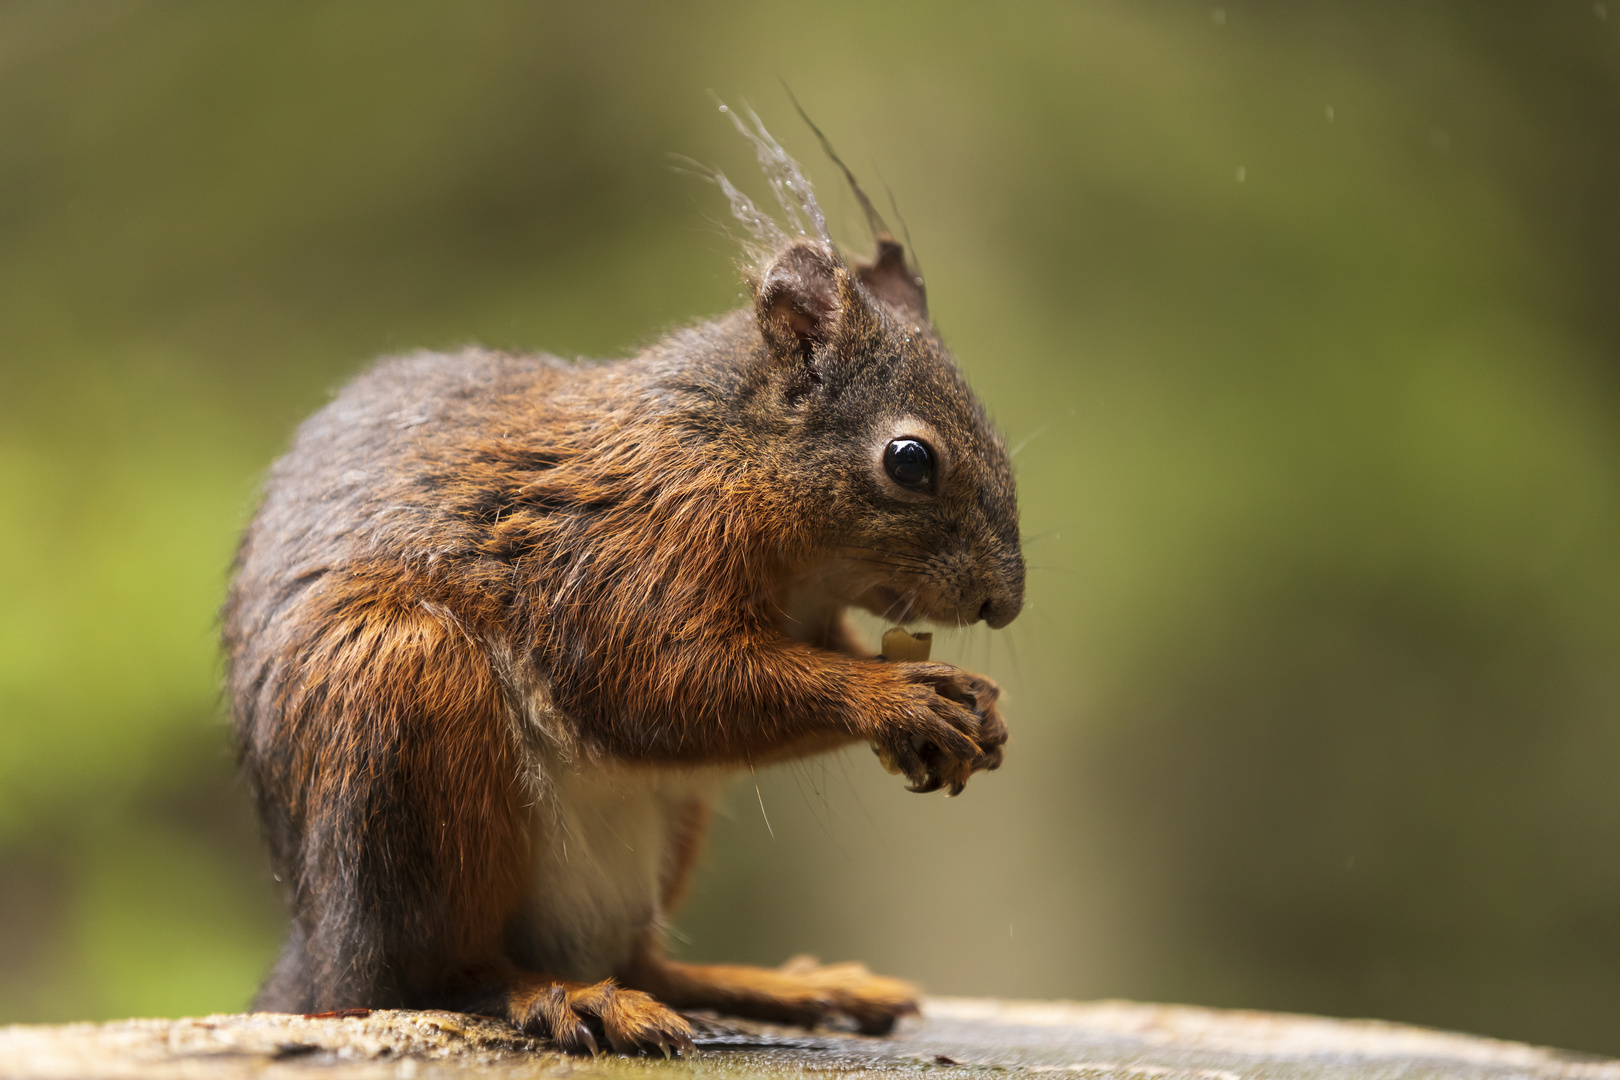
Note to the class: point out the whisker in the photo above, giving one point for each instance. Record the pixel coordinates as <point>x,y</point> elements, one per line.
<point>1027,439</point>
<point>904,603</point>
<point>860,803</point>
<point>906,555</point>
<point>910,599</point>
<point>900,568</point>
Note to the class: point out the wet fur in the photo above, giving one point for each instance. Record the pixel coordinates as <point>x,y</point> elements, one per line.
<point>497,614</point>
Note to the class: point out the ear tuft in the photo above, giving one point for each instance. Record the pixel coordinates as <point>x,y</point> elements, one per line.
<point>891,280</point>
<point>887,277</point>
<point>798,300</point>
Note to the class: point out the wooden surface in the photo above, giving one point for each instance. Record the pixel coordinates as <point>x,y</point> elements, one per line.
<point>955,1039</point>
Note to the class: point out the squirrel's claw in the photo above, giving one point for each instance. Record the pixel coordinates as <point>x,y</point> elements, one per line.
<point>951,731</point>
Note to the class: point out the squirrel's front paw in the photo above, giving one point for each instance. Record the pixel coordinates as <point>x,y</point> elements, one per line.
<point>948,728</point>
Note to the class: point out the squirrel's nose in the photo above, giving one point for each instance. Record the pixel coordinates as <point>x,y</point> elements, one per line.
<point>1003,582</point>
<point>999,611</point>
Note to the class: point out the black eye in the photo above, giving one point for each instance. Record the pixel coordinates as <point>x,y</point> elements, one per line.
<point>909,463</point>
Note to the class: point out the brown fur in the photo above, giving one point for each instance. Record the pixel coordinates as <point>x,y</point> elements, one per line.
<point>574,1014</point>
<point>480,586</point>
<point>800,992</point>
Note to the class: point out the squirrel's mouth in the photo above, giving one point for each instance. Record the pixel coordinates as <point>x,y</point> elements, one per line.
<point>909,606</point>
<point>891,604</point>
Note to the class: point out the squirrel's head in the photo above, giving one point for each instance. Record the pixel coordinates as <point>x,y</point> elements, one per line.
<point>872,426</point>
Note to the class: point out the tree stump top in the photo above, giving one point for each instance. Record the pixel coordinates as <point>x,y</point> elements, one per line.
<point>955,1039</point>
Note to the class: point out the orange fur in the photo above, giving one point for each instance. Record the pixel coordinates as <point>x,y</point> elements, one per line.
<point>392,675</point>
<point>573,1014</point>
<point>800,992</point>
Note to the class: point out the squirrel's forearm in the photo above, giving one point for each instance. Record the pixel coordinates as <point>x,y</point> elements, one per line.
<point>748,698</point>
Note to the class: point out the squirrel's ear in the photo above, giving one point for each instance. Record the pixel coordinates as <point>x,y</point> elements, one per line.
<point>891,280</point>
<point>799,299</point>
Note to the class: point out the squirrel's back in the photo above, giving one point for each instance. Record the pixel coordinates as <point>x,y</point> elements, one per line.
<point>363,476</point>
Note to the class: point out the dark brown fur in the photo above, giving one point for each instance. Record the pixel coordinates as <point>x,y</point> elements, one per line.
<point>475,575</point>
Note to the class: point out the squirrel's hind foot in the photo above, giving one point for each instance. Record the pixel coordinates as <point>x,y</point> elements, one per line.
<point>586,1019</point>
<point>799,992</point>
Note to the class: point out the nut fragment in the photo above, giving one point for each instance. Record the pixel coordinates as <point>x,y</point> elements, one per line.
<point>900,645</point>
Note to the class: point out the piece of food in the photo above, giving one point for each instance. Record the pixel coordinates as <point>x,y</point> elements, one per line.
<point>900,645</point>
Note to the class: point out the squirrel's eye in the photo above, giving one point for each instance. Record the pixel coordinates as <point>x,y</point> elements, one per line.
<point>909,463</point>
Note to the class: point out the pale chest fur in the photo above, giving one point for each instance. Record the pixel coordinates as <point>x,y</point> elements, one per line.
<point>608,837</point>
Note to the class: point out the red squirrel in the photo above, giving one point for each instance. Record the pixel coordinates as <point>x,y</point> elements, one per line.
<point>503,626</point>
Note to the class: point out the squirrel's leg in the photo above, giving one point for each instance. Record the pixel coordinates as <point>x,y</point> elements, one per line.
<point>390,789</point>
<point>381,748</point>
<point>290,985</point>
<point>799,992</point>
<point>736,693</point>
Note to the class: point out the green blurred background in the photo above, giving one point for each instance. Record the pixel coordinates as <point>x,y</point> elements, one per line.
<point>1304,318</point>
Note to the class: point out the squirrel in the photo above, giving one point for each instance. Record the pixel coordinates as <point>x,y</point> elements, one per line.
<point>502,627</point>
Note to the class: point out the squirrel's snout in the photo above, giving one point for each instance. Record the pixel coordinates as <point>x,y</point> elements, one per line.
<point>1005,598</point>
